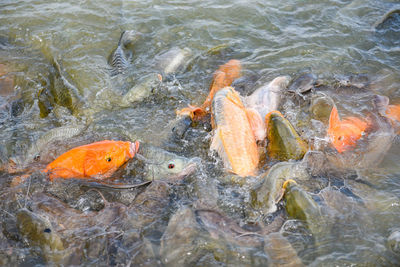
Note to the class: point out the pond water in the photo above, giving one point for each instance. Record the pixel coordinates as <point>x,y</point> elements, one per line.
<point>50,47</point>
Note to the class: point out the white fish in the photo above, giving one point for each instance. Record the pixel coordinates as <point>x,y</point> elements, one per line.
<point>268,97</point>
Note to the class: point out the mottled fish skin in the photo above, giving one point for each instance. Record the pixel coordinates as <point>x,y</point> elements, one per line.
<point>38,231</point>
<point>121,57</point>
<point>267,98</point>
<point>233,139</point>
<point>53,135</point>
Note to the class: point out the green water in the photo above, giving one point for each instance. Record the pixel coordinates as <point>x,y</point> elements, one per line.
<point>331,39</point>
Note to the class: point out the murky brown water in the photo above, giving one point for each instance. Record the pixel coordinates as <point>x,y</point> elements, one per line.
<point>331,39</point>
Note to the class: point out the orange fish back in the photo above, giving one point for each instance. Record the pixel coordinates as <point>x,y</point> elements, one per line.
<point>234,139</point>
<point>99,160</point>
<point>222,77</point>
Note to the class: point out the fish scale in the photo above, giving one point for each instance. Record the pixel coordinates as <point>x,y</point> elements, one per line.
<point>233,139</point>
<point>118,59</point>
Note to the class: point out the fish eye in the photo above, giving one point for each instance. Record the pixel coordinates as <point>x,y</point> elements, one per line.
<point>36,157</point>
<point>47,230</point>
<point>171,166</point>
<point>340,138</point>
<point>108,159</point>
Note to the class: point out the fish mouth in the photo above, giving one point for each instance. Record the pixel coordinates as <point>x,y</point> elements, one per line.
<point>133,148</point>
<point>192,166</point>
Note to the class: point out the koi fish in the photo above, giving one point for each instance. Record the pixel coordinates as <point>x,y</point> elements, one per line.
<point>223,77</point>
<point>97,160</point>
<point>392,112</point>
<point>233,139</point>
<point>345,133</point>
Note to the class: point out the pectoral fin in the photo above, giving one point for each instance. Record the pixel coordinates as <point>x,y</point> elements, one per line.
<point>218,146</point>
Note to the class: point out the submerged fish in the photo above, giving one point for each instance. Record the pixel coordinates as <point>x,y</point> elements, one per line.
<point>121,57</point>
<point>97,160</point>
<point>172,60</point>
<point>39,231</point>
<point>234,139</point>
<point>345,133</point>
<point>392,112</point>
<point>63,233</point>
<point>223,77</point>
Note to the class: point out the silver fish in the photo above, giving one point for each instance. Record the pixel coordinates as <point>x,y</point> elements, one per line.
<point>121,57</point>
<point>172,60</point>
<point>161,164</point>
<point>268,97</point>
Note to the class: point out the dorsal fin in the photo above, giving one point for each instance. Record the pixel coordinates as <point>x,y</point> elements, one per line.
<point>334,118</point>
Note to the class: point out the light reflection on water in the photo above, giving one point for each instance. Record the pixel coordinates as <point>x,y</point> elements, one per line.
<point>331,39</point>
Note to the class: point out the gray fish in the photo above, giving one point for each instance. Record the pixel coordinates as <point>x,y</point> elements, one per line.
<point>53,135</point>
<point>38,231</point>
<point>141,91</point>
<point>161,164</point>
<point>120,58</point>
<point>388,15</point>
<point>172,60</point>
<point>394,241</point>
<point>267,98</point>
<point>303,83</point>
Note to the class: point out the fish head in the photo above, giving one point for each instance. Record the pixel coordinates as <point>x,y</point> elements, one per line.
<point>169,166</point>
<point>345,134</point>
<point>284,142</point>
<point>105,157</point>
<point>38,230</point>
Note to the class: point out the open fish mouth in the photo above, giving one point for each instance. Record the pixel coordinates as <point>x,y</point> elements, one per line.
<point>133,148</point>
<point>192,166</point>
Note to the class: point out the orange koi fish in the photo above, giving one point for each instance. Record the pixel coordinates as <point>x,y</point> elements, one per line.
<point>233,138</point>
<point>223,77</point>
<point>345,133</point>
<point>97,160</point>
<point>392,112</point>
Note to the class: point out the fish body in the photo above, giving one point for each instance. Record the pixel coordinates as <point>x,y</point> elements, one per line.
<point>223,77</point>
<point>173,60</point>
<point>268,97</point>
<point>234,139</point>
<point>121,57</point>
<point>97,160</point>
<point>345,133</point>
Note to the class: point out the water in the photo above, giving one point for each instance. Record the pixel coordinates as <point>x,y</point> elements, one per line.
<point>331,39</point>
